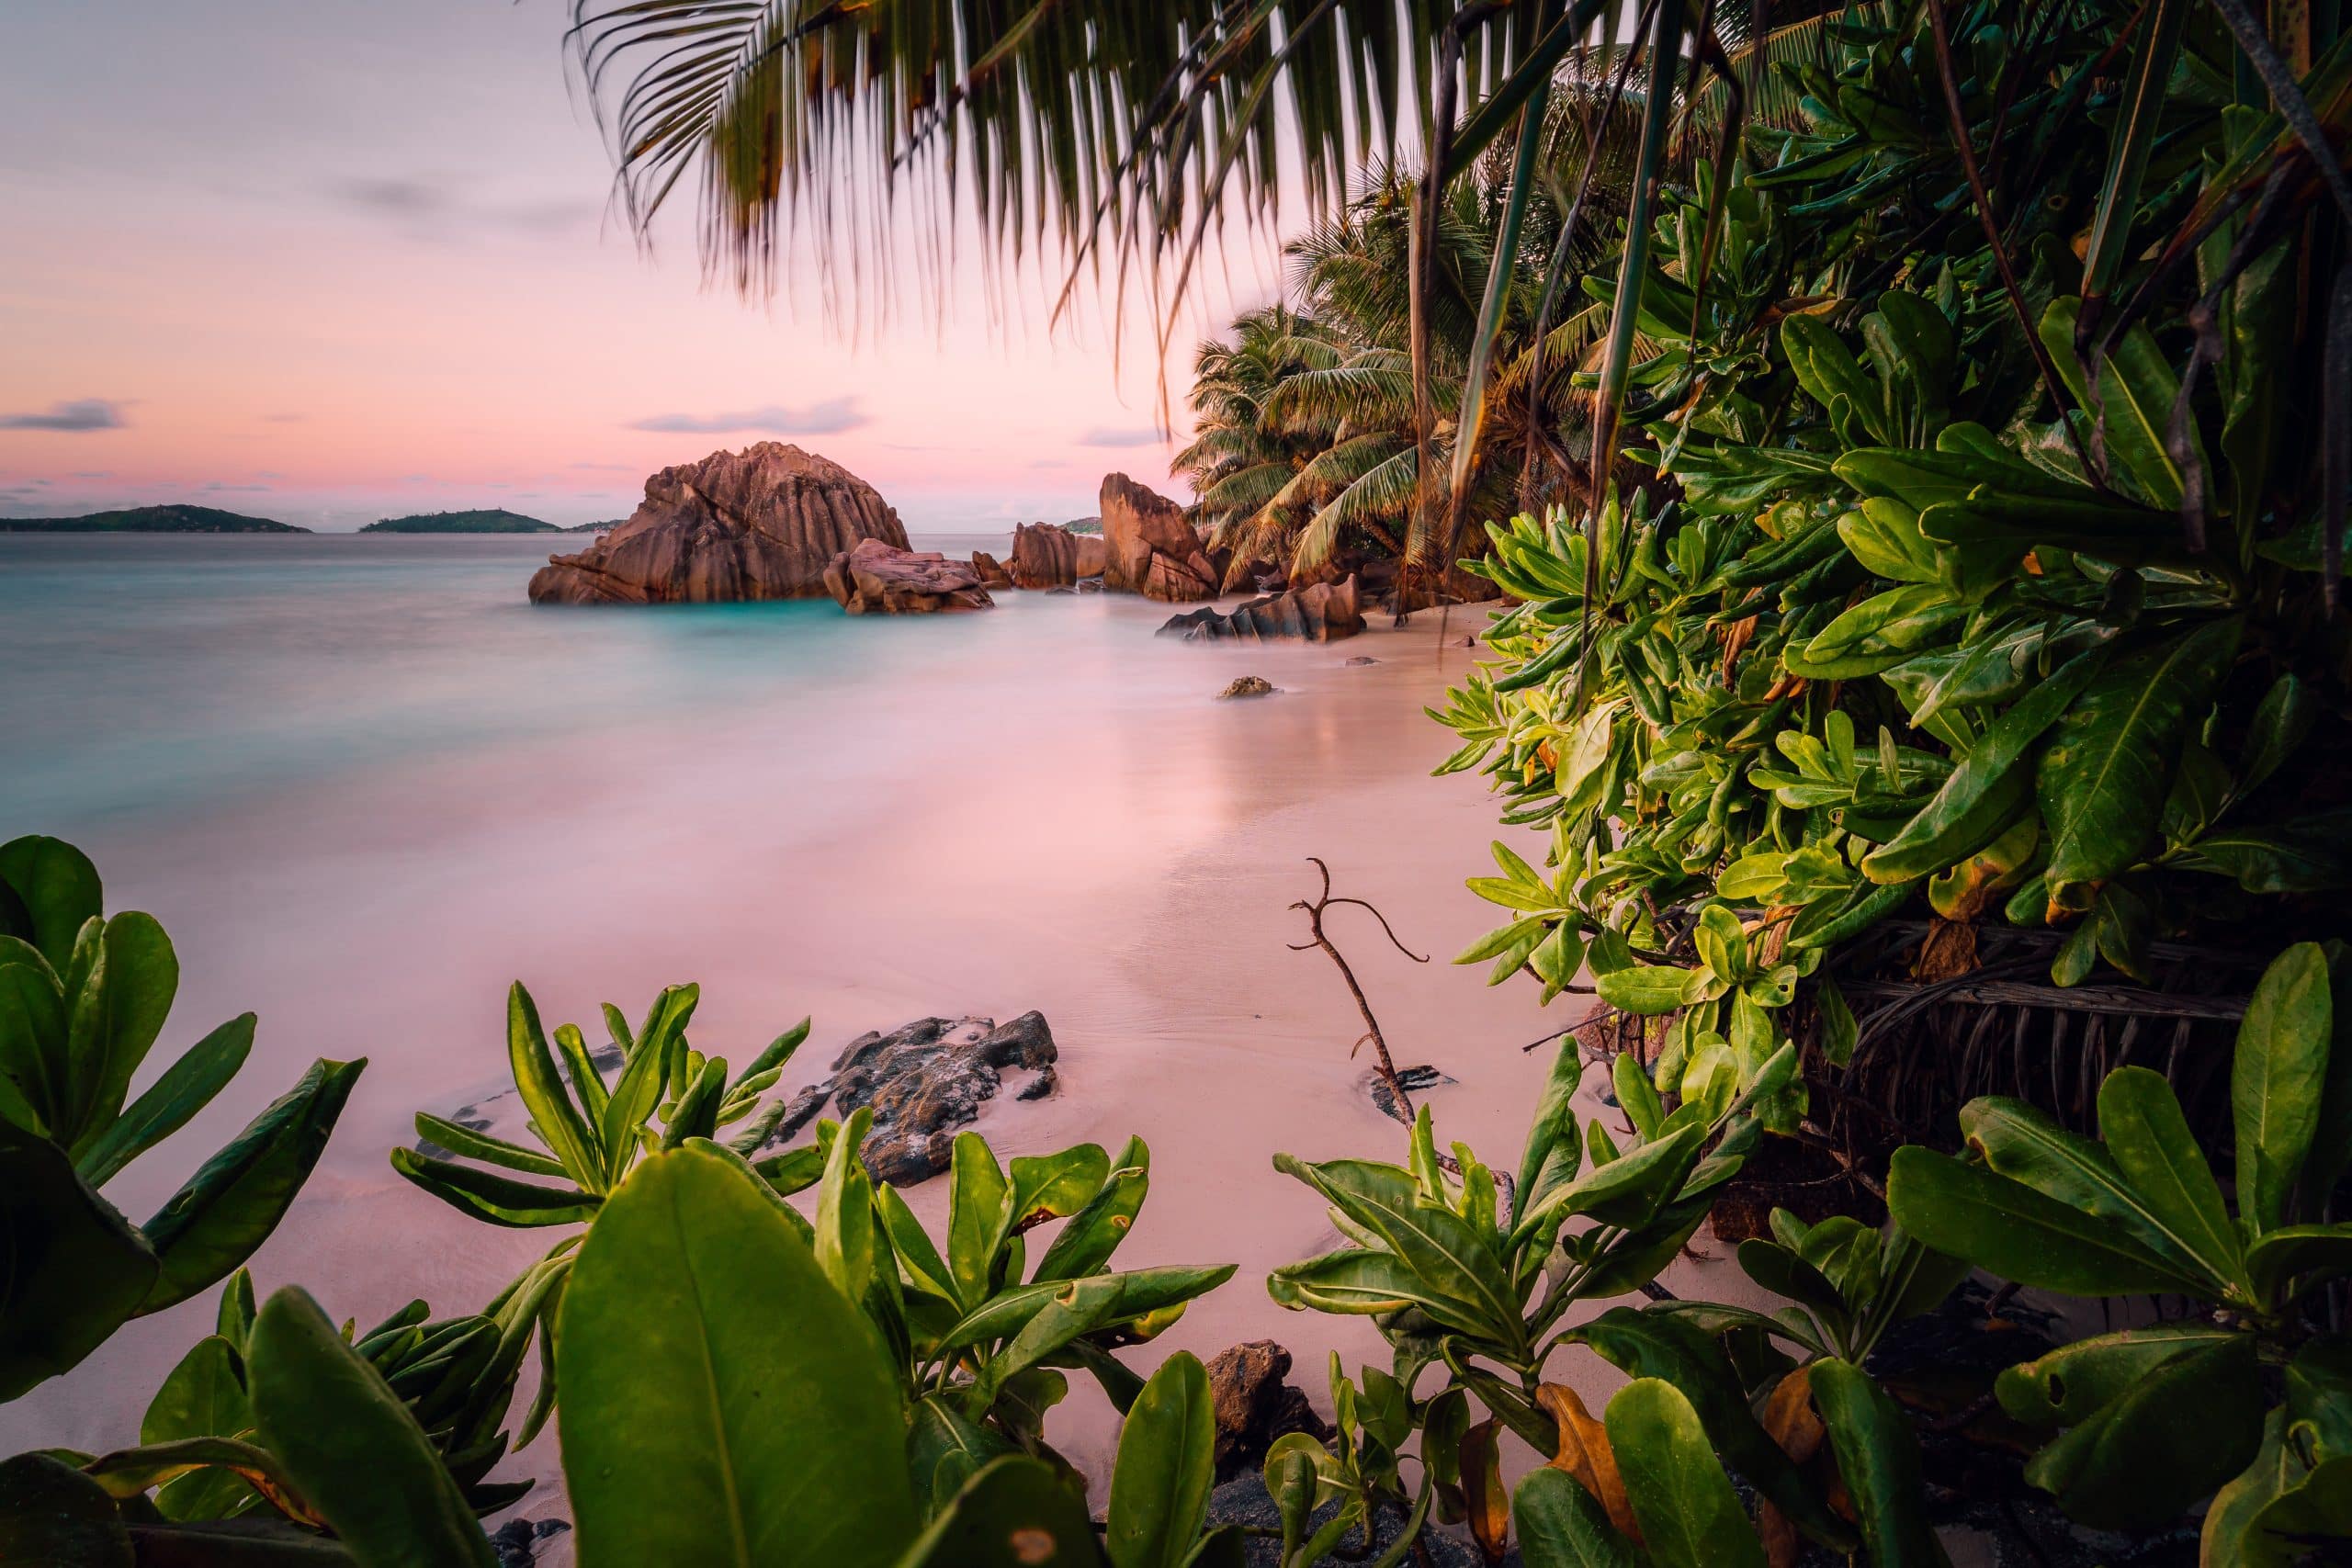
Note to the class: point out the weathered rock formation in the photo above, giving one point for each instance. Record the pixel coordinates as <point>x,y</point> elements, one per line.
<point>1253,1406</point>
<point>989,570</point>
<point>1151,548</point>
<point>1247,686</point>
<point>1046,555</point>
<point>759,523</point>
<point>877,579</point>
<point>1323,612</point>
<point>924,1081</point>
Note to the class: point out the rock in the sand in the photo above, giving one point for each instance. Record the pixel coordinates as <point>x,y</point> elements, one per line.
<point>1254,1406</point>
<point>759,523</point>
<point>1151,547</point>
<point>1248,686</point>
<point>877,579</point>
<point>1046,555</point>
<point>926,1080</point>
<point>1322,611</point>
<point>989,570</point>
<point>1359,661</point>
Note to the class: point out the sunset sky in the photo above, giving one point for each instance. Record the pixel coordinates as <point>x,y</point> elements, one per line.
<point>324,261</point>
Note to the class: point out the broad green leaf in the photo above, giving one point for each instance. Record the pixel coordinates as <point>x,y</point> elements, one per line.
<point>635,1094</point>
<point>501,1200</point>
<point>186,1087</point>
<point>918,1260</point>
<point>979,1198</point>
<point>2232,1536</point>
<point>1689,1515</point>
<point>2136,391</point>
<point>2158,1158</point>
<point>1631,1190</point>
<point>553,1114</point>
<point>2021,1142</point>
<point>232,1203</point>
<point>1647,989</point>
<point>2308,1253</point>
<point>697,1113</point>
<point>52,1516</point>
<point>1015,1513</point>
<point>1083,1306</point>
<point>59,889</point>
<point>1878,1458</point>
<point>1552,1130</point>
<point>1167,1463</point>
<point>143,975</point>
<point>1052,1186</point>
<point>1684,1358</point>
<point>1561,1526</point>
<point>2276,1082</point>
<point>2075,1382</point>
<point>2103,779</point>
<point>1363,1279</point>
<point>844,1221</point>
<point>2177,1433</point>
<point>1988,788</point>
<point>2009,1228</point>
<point>203,1396</point>
<point>781,1441</point>
<point>1450,1255</point>
<point>1086,1243</point>
<point>356,1455</point>
<point>587,1083</point>
<point>76,1270</point>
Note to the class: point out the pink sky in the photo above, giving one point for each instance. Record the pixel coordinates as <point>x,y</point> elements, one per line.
<point>324,261</point>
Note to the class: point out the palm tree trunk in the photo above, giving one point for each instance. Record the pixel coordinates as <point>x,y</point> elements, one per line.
<point>1428,196</point>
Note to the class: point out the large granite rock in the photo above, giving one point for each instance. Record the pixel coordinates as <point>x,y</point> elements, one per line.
<point>1151,548</point>
<point>989,570</point>
<point>925,1081</point>
<point>1046,555</point>
<point>759,523</point>
<point>877,579</point>
<point>1253,1406</point>
<point>1322,611</point>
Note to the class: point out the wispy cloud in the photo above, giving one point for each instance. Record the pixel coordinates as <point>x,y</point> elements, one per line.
<point>1104,435</point>
<point>828,418</point>
<point>437,209</point>
<point>78,415</point>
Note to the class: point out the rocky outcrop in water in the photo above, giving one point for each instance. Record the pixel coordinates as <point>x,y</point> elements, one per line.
<point>1150,547</point>
<point>1046,555</point>
<point>989,570</point>
<point>926,1080</point>
<point>1323,612</point>
<point>759,523</point>
<point>877,579</point>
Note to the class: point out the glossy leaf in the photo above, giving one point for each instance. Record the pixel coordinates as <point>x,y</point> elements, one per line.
<point>1167,1463</point>
<point>776,1447</point>
<point>1015,1513</point>
<point>2011,1229</point>
<point>77,1267</point>
<point>185,1088</point>
<point>2276,1082</point>
<point>58,888</point>
<point>345,1440</point>
<point>1691,1516</point>
<point>232,1203</point>
<point>1878,1460</point>
<point>51,1516</point>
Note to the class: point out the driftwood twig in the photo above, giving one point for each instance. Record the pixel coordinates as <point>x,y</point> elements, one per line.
<point>1314,908</point>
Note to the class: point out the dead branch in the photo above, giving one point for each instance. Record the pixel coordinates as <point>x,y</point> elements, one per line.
<point>1314,909</point>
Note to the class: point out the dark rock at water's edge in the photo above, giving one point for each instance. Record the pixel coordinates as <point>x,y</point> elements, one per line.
<point>926,1080</point>
<point>759,523</point>
<point>176,518</point>
<point>1253,1406</point>
<point>1322,611</point>
<point>482,520</point>
<point>877,579</point>
<point>519,1543</point>
<point>1047,556</point>
<point>1245,1501</point>
<point>1151,548</point>
<point>1248,686</point>
<point>1359,659</point>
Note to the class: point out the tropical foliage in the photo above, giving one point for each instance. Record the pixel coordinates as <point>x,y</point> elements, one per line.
<point>83,998</point>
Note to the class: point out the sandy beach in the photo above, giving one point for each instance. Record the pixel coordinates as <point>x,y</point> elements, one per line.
<point>1078,828</point>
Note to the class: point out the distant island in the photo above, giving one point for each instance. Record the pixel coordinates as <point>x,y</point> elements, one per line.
<point>173,519</point>
<point>597,527</point>
<point>493,520</point>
